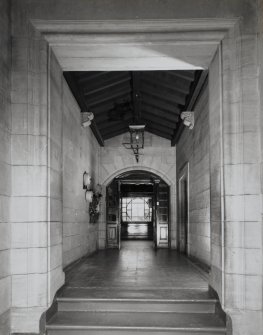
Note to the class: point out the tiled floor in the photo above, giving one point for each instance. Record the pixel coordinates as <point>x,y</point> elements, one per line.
<point>136,266</point>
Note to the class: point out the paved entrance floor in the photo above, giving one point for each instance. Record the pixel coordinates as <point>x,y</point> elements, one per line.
<point>136,269</point>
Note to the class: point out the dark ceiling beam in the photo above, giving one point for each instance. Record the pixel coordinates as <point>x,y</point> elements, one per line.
<point>136,95</point>
<point>105,106</point>
<point>173,117</point>
<point>159,96</point>
<point>197,86</point>
<point>106,117</point>
<point>107,97</point>
<point>185,74</point>
<point>106,84</point>
<point>77,92</point>
<point>176,79</point>
<point>115,133</point>
<point>109,124</point>
<point>156,119</point>
<point>161,104</point>
<point>157,126</point>
<point>122,125</point>
<point>163,94</point>
<point>158,133</point>
<point>83,77</point>
<point>171,85</point>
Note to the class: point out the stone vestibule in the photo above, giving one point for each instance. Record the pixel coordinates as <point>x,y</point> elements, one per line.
<point>38,147</point>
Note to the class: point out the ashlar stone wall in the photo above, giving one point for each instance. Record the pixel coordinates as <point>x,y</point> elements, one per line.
<point>80,153</point>
<point>5,167</point>
<point>193,148</point>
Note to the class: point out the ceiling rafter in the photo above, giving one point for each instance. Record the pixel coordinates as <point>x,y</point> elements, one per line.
<point>201,77</point>
<point>82,104</point>
<point>119,98</point>
<point>108,84</point>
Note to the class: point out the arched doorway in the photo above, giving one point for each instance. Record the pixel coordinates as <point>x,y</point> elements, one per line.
<point>138,209</point>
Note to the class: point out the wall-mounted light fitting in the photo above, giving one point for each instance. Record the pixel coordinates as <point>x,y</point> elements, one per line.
<point>89,196</point>
<point>86,180</point>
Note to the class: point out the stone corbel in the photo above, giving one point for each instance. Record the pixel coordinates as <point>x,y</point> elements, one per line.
<point>86,118</point>
<point>188,119</point>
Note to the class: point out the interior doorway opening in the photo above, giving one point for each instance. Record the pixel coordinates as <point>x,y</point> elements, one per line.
<point>138,210</point>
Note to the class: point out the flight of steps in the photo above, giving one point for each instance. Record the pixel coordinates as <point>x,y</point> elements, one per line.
<point>108,311</point>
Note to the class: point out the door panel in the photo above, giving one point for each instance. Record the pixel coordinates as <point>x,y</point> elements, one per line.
<point>162,215</point>
<point>113,216</point>
<point>183,210</point>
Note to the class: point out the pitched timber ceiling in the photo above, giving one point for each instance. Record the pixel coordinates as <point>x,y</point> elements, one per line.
<point>120,98</point>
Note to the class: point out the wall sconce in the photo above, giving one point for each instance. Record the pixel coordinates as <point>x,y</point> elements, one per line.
<point>136,140</point>
<point>89,196</point>
<point>86,180</point>
<point>86,118</point>
<point>188,119</point>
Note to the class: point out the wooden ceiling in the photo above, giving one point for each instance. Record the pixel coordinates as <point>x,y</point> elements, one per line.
<point>120,98</point>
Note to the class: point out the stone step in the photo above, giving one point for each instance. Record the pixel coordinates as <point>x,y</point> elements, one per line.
<point>187,301</point>
<point>125,323</point>
<point>136,305</point>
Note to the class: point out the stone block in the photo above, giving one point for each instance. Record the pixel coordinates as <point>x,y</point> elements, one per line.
<point>19,237</point>
<point>4,208</point>
<point>234,208</point>
<point>5,263</point>
<point>251,178</point>
<point>252,207</point>
<point>18,260</point>
<point>234,234</point>
<point>19,290</point>
<point>19,149</point>
<point>55,256</point>
<point>37,260</point>
<point>55,233</point>
<point>37,295</point>
<point>19,119</point>
<point>234,179</point>
<point>5,179</point>
<point>253,292</point>
<point>37,234</point>
<point>5,294</point>
<point>253,234</point>
<point>5,239</point>
<point>251,147</point>
<point>233,148</point>
<point>234,260</point>
<point>28,209</point>
<point>234,291</point>
<point>37,120</point>
<point>253,261</point>
<point>5,152</point>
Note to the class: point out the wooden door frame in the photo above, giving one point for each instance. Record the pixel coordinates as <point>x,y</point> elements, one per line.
<point>183,175</point>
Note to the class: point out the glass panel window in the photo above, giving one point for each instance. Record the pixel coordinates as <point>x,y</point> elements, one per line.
<point>136,209</point>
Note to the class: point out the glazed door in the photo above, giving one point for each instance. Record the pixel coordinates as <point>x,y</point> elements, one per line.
<point>113,215</point>
<point>162,215</point>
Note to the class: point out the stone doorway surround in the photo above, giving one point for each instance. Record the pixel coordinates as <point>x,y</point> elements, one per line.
<point>214,44</point>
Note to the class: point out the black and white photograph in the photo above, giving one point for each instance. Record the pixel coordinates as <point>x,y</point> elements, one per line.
<point>131,167</point>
